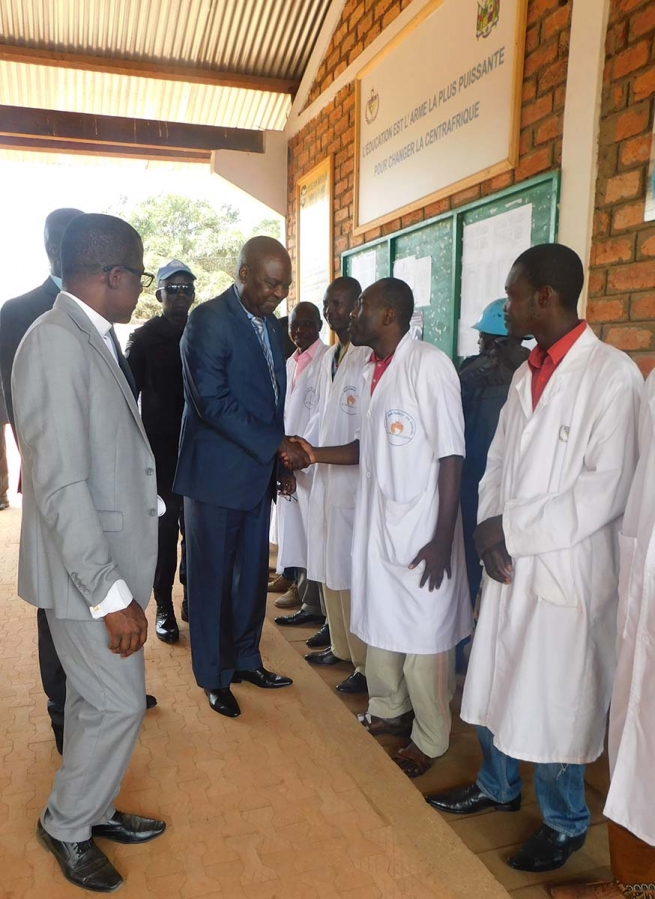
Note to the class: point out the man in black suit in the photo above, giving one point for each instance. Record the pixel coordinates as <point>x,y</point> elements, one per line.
<point>16,317</point>
<point>232,431</point>
<point>153,353</point>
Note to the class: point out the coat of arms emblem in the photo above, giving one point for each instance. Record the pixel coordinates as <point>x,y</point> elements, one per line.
<point>372,106</point>
<point>488,15</point>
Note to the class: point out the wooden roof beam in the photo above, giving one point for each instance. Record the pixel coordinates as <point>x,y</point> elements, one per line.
<point>72,127</point>
<point>140,69</point>
<point>39,145</point>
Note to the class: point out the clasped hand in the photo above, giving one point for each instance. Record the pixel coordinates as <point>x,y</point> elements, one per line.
<point>128,629</point>
<point>490,543</point>
<point>296,453</point>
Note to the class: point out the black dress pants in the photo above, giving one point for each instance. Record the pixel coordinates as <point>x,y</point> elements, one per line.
<point>171,523</point>
<point>53,676</point>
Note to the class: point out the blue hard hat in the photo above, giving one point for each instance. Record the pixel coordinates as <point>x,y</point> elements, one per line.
<point>492,320</point>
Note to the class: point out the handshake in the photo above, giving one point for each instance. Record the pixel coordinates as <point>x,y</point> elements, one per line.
<point>295,453</point>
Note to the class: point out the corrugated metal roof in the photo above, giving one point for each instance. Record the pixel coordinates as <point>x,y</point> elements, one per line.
<point>266,38</point>
<point>98,93</point>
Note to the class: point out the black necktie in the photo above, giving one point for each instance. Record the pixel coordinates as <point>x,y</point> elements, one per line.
<point>123,363</point>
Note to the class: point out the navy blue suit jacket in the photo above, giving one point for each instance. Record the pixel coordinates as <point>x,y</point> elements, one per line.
<point>16,318</point>
<point>232,426</point>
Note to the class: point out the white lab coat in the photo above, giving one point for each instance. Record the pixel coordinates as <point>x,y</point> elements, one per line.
<point>631,797</point>
<point>413,419</point>
<point>541,668</point>
<point>332,500</point>
<point>299,405</point>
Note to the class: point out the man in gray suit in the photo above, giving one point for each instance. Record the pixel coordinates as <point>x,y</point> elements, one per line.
<point>89,535</point>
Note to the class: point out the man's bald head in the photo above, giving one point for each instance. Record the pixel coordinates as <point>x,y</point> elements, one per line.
<point>382,314</point>
<point>55,225</point>
<point>304,325</point>
<point>263,275</point>
<point>259,248</point>
<point>306,310</point>
<point>395,294</point>
<point>338,302</point>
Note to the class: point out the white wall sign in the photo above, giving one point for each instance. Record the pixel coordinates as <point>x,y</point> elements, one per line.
<point>314,233</point>
<point>439,108</point>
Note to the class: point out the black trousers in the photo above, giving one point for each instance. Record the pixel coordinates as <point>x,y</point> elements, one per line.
<point>227,573</point>
<point>53,676</point>
<point>171,523</point>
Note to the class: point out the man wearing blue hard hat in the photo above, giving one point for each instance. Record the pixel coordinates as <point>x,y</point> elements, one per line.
<point>485,381</point>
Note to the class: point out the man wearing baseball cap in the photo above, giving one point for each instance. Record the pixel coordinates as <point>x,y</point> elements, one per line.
<point>153,352</point>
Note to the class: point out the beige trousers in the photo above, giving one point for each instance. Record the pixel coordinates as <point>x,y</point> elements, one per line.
<point>345,645</point>
<point>398,683</point>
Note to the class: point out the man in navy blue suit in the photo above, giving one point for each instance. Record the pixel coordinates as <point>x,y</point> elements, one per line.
<point>232,430</point>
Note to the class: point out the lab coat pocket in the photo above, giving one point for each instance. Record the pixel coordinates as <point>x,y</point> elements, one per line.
<point>404,530</point>
<point>627,547</point>
<point>553,580</point>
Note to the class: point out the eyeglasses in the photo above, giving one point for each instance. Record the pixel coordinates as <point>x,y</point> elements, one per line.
<point>145,277</point>
<point>179,288</point>
<point>289,497</point>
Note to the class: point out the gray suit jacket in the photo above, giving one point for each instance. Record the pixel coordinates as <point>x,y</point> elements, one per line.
<point>89,485</point>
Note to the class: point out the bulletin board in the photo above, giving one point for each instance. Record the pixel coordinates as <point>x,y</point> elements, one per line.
<point>447,286</point>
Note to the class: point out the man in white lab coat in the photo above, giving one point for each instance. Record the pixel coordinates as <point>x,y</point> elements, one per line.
<point>551,502</point>
<point>410,601</point>
<point>631,798</point>
<point>332,500</point>
<point>302,398</point>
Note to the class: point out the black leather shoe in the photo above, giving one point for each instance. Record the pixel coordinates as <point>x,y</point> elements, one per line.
<point>299,618</point>
<point>546,850</point>
<point>356,683</point>
<point>223,702</point>
<point>321,638</point>
<point>260,677</point>
<point>82,863</point>
<point>324,657</point>
<point>125,828</point>
<point>165,625</point>
<point>467,800</point>
<point>151,701</point>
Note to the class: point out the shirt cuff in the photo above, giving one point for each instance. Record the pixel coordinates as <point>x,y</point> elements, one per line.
<point>118,598</point>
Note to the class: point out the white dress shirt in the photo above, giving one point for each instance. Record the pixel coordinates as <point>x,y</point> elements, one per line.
<point>118,596</point>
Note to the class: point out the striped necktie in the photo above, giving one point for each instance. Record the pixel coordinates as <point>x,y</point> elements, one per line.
<point>259,326</point>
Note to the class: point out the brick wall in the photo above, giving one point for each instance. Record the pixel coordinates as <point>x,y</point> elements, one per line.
<point>622,277</point>
<point>332,131</point>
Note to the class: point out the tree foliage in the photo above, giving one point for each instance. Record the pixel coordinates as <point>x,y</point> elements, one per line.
<point>207,240</point>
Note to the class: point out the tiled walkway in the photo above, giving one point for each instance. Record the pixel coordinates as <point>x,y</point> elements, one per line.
<point>291,801</point>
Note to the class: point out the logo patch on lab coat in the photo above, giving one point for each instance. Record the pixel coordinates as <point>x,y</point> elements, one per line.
<point>310,397</point>
<point>348,401</point>
<point>400,427</point>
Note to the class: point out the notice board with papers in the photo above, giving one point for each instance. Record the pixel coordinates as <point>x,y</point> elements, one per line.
<point>456,263</point>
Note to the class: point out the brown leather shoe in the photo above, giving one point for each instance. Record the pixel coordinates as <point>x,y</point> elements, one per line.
<point>289,600</point>
<point>280,584</point>
<point>598,890</point>
<point>397,727</point>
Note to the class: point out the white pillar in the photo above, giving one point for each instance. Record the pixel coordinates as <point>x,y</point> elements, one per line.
<point>584,85</point>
